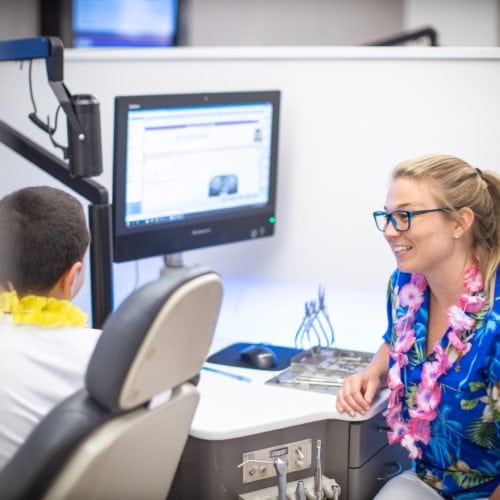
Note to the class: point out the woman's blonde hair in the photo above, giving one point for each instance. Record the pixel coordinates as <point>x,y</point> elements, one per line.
<point>461,185</point>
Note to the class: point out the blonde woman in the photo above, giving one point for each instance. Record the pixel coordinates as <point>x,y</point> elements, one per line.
<point>441,353</point>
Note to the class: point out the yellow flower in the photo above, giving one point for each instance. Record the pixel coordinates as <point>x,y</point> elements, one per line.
<point>8,301</point>
<point>46,312</point>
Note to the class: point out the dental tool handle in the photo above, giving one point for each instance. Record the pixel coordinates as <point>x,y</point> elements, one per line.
<point>318,489</point>
<point>300,493</point>
<point>281,466</point>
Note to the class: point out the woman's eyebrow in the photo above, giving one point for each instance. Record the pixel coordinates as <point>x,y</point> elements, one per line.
<point>402,206</point>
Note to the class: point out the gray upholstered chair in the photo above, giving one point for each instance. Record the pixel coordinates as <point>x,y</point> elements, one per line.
<point>108,441</point>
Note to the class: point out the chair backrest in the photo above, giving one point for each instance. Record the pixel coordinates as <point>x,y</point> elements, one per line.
<point>114,439</point>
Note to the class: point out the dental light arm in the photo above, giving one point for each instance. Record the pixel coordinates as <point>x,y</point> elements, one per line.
<point>84,154</point>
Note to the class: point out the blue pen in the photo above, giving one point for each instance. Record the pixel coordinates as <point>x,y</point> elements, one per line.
<point>227,374</point>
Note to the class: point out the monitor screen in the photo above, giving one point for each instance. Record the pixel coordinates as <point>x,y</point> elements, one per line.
<point>139,23</point>
<point>193,170</point>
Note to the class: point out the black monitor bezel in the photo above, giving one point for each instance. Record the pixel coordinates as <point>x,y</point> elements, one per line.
<point>197,231</point>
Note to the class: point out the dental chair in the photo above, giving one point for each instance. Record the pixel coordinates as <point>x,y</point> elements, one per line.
<point>114,439</point>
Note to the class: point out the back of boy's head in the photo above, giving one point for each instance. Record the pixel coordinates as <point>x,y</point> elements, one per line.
<point>43,232</point>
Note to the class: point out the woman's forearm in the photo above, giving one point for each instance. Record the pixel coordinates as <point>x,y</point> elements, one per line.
<point>380,363</point>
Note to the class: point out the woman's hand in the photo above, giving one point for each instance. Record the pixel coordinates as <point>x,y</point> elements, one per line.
<point>359,390</point>
<point>357,393</point>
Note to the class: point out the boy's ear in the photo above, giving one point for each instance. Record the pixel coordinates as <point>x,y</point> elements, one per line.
<point>66,286</point>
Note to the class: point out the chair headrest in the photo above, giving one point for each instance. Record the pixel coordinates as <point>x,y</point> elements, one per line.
<point>158,338</point>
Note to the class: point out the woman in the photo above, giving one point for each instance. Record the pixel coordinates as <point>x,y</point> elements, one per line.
<point>441,353</point>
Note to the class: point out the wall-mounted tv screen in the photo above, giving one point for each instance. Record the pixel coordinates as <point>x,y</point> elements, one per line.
<point>193,170</point>
<point>111,23</point>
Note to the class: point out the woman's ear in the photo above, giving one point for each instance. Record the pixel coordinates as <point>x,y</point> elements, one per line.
<point>466,216</point>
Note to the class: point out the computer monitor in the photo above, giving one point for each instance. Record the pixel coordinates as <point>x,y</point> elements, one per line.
<point>111,23</point>
<point>193,170</point>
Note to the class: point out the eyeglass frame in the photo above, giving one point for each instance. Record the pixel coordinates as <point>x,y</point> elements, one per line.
<point>410,214</point>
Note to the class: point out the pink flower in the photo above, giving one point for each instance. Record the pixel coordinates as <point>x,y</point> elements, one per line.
<point>428,415</point>
<point>431,371</point>
<point>458,320</point>
<point>397,433</point>
<point>457,343</point>
<point>419,281</point>
<point>404,341</point>
<point>413,450</point>
<point>394,378</point>
<point>411,296</point>
<point>442,358</point>
<point>400,359</point>
<point>393,416</point>
<point>427,398</point>
<point>473,281</point>
<point>404,322</point>
<point>471,303</point>
<point>394,400</point>
<point>420,429</point>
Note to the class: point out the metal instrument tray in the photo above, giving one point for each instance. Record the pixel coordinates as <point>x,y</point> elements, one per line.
<point>321,369</point>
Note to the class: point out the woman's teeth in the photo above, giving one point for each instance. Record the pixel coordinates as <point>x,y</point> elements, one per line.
<point>401,248</point>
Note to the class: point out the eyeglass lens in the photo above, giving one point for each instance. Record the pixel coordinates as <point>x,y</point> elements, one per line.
<point>400,220</point>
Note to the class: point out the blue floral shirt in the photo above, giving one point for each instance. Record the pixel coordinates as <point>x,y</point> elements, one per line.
<point>462,459</point>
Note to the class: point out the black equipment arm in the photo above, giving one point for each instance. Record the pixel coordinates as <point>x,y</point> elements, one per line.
<point>410,36</point>
<point>85,160</point>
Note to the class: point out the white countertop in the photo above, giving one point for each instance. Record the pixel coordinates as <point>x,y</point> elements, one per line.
<point>259,311</point>
<point>231,408</point>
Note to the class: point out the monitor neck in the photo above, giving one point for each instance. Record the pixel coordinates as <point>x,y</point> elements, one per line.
<point>172,261</point>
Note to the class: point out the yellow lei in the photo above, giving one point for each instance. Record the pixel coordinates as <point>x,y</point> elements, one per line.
<point>46,312</point>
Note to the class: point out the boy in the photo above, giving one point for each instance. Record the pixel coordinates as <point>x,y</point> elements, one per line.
<point>44,343</point>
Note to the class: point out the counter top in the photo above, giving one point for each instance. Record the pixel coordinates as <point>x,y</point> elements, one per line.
<point>231,408</point>
<point>270,312</point>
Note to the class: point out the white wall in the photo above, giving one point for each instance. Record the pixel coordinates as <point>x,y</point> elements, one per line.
<point>458,22</point>
<point>348,116</point>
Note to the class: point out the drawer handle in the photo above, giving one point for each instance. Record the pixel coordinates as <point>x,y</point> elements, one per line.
<point>385,477</point>
<point>384,428</point>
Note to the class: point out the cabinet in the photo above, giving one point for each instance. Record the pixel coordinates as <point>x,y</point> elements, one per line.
<point>355,454</point>
<point>359,457</point>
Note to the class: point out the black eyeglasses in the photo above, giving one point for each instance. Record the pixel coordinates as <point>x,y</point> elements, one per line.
<point>400,219</point>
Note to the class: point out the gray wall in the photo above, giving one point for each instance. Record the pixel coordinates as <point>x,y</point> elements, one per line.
<point>291,22</point>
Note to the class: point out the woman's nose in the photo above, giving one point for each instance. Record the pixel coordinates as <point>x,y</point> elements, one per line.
<point>390,230</point>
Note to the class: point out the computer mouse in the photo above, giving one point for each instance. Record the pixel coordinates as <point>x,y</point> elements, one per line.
<point>259,356</point>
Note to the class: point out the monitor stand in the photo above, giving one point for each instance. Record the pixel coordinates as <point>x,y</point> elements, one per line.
<point>173,264</point>
<point>172,261</point>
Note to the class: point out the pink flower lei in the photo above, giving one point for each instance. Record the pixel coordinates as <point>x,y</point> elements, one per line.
<point>428,394</point>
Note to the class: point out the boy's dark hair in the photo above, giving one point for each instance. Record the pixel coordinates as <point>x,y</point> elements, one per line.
<point>43,232</point>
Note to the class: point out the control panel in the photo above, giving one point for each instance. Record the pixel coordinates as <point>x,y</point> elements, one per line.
<point>259,464</point>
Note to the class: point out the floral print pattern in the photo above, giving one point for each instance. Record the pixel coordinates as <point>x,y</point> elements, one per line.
<point>460,448</point>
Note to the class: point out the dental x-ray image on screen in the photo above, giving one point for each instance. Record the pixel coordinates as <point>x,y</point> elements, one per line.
<point>193,170</point>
